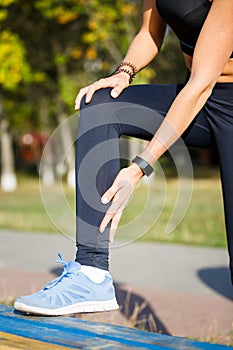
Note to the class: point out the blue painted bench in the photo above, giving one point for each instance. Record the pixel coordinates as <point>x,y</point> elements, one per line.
<point>36,332</point>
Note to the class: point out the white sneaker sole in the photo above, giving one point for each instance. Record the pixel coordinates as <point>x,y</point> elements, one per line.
<point>83,307</point>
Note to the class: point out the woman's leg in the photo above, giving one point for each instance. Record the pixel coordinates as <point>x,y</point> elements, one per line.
<point>137,112</point>
<point>220,117</point>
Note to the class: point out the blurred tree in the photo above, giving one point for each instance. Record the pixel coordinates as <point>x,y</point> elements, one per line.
<point>169,64</point>
<point>53,48</point>
<point>49,50</point>
<point>77,49</point>
<point>14,70</point>
<point>67,20</point>
<point>111,27</point>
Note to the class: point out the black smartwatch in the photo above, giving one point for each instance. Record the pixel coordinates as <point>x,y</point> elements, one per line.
<point>145,167</point>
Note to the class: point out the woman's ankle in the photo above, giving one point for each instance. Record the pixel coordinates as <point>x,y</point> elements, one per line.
<point>96,274</point>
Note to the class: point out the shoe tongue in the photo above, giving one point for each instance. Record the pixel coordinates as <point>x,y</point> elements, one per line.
<point>73,266</point>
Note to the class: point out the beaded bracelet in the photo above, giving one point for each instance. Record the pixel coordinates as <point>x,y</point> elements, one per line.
<point>122,70</point>
<point>119,69</point>
<point>129,64</point>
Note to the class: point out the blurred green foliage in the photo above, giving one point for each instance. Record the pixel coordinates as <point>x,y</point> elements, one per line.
<point>49,49</point>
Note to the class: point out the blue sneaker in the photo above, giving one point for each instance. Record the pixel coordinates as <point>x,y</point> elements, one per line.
<point>72,292</point>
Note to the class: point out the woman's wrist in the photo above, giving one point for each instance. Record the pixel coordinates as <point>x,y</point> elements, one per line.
<point>137,171</point>
<point>124,75</point>
<point>148,156</point>
<point>145,167</point>
<point>128,68</point>
<point>145,161</point>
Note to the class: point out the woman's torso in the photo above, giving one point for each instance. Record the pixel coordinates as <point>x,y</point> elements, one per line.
<point>186,18</point>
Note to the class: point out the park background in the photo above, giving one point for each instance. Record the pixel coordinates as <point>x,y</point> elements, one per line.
<point>49,49</point>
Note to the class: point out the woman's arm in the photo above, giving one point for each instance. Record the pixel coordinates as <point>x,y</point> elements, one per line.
<point>141,52</point>
<point>148,41</point>
<point>211,54</point>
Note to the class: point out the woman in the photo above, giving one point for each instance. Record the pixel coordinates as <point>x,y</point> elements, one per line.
<point>201,111</point>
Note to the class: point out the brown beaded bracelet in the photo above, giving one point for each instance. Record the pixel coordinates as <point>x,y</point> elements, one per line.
<point>122,70</point>
<point>129,64</point>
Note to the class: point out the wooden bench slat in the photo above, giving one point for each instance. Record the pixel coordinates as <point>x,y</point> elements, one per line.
<point>74,332</point>
<point>16,342</point>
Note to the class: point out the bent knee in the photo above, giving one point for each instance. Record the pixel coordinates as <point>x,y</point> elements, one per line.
<point>101,111</point>
<point>100,96</point>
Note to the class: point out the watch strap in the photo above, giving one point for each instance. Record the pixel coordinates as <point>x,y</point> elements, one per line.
<point>145,167</point>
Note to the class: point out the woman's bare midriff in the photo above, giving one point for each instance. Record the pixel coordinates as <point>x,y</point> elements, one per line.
<point>227,74</point>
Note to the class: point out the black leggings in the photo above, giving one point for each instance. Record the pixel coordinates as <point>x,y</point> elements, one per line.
<point>138,112</point>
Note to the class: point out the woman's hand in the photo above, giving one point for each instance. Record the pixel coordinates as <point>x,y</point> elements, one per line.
<point>120,192</point>
<point>118,82</point>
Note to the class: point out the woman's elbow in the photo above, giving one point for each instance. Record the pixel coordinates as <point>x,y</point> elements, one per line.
<point>201,86</point>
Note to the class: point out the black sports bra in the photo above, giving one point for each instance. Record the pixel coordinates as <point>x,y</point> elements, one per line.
<point>186,18</point>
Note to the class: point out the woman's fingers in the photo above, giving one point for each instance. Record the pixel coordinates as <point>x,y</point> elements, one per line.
<point>115,209</point>
<point>82,92</point>
<point>120,192</point>
<point>116,219</point>
<point>122,83</point>
<point>94,87</point>
<point>118,82</point>
<point>112,210</point>
<point>114,225</point>
<point>109,194</point>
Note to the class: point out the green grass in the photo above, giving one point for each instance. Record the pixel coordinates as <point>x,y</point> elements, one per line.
<point>143,219</point>
<point>203,223</point>
<point>23,209</point>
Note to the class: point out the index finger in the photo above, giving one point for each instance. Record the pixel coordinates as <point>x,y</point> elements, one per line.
<point>97,85</point>
<point>79,97</point>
